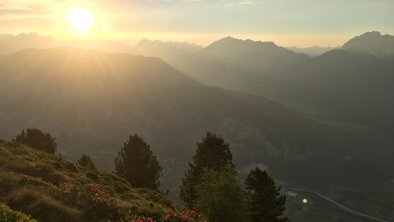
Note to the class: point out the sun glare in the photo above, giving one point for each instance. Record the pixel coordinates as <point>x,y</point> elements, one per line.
<point>81,19</point>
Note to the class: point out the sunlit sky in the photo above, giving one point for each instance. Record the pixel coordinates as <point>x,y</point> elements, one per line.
<point>286,22</point>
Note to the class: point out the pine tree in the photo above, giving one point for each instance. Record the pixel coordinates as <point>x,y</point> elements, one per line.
<point>137,164</point>
<point>87,162</point>
<point>37,139</point>
<point>266,204</point>
<point>220,196</point>
<point>212,153</point>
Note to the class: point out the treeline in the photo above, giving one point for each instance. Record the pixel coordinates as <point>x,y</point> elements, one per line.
<point>211,184</point>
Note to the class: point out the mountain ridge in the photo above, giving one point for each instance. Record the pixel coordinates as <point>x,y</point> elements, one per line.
<point>373,43</point>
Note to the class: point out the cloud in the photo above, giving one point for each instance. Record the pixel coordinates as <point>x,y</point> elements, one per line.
<point>246,2</point>
<point>226,2</point>
<point>17,8</point>
<point>32,23</point>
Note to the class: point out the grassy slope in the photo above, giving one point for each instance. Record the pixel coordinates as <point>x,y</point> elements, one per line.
<point>52,189</point>
<point>8,215</point>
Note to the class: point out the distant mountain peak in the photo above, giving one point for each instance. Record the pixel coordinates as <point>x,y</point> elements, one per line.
<point>145,41</point>
<point>165,50</point>
<point>231,46</point>
<point>229,38</point>
<point>232,40</point>
<point>371,34</point>
<point>371,43</point>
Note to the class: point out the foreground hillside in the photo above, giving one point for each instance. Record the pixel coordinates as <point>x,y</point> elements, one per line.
<point>51,189</point>
<point>8,215</point>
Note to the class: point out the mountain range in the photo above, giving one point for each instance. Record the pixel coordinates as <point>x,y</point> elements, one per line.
<point>13,43</point>
<point>341,80</point>
<point>314,121</point>
<point>91,101</point>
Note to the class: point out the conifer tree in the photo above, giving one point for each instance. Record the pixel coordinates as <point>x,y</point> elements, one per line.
<point>37,139</point>
<point>213,154</point>
<point>220,196</point>
<point>137,164</point>
<point>265,202</point>
<point>87,162</point>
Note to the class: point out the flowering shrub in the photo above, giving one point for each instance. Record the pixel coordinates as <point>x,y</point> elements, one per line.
<point>101,196</point>
<point>185,215</point>
<point>92,194</point>
<point>144,219</point>
<point>99,202</point>
<point>29,178</point>
<point>44,168</point>
<point>66,192</point>
<point>174,215</point>
<point>66,188</point>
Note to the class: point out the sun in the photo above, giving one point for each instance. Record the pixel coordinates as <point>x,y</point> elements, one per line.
<point>81,19</point>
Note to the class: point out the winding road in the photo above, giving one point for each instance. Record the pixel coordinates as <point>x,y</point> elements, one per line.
<point>347,209</point>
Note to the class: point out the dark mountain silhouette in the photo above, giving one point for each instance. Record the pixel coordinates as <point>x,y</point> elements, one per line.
<point>373,43</point>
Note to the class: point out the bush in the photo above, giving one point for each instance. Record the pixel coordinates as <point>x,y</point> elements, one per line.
<point>97,201</point>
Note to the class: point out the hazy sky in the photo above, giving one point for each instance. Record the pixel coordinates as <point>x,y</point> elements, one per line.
<point>286,22</point>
